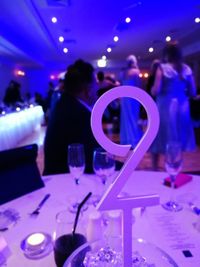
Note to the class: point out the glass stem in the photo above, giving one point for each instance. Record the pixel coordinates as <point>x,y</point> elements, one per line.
<point>104,179</point>
<point>172,178</point>
<point>77,181</point>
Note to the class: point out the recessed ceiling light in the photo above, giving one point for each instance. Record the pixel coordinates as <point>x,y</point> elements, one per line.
<point>54,19</point>
<point>52,77</point>
<point>151,49</point>
<point>168,39</point>
<point>65,50</point>
<point>116,38</point>
<point>109,49</point>
<point>146,75</point>
<point>128,20</point>
<point>61,39</point>
<point>197,20</point>
<point>101,63</point>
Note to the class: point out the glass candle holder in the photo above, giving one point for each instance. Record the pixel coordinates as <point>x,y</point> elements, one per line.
<point>37,245</point>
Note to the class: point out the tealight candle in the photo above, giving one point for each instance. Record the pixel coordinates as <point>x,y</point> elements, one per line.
<point>94,227</point>
<point>35,240</point>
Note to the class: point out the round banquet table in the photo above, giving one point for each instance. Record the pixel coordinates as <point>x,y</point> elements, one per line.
<point>172,232</point>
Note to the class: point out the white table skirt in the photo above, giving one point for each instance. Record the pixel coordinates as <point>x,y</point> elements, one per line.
<point>14,127</point>
<point>173,232</point>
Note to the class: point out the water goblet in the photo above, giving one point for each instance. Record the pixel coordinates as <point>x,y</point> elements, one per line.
<point>103,164</point>
<point>104,167</point>
<point>76,163</point>
<point>173,165</point>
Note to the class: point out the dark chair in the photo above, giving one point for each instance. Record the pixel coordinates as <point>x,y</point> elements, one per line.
<point>19,173</point>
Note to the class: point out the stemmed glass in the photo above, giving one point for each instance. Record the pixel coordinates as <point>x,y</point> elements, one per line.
<point>104,167</point>
<point>103,164</point>
<point>173,165</point>
<point>76,163</point>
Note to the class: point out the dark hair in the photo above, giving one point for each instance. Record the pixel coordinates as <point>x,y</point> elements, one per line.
<point>100,76</point>
<point>154,66</point>
<point>78,75</point>
<point>173,54</point>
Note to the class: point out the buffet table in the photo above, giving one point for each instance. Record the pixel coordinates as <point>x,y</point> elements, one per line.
<point>173,232</point>
<point>18,125</point>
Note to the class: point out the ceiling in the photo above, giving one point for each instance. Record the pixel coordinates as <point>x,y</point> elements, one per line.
<point>29,38</point>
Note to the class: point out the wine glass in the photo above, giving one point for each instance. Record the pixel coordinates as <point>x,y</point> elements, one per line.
<point>173,165</point>
<point>103,164</point>
<point>76,163</point>
<point>104,167</point>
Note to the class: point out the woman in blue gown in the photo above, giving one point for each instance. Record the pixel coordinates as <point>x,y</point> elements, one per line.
<point>130,131</point>
<point>173,86</point>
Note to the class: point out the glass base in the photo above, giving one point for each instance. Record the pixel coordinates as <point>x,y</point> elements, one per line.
<point>172,206</point>
<point>74,207</point>
<point>94,200</point>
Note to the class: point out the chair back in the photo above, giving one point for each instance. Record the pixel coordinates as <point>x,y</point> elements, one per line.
<point>19,173</point>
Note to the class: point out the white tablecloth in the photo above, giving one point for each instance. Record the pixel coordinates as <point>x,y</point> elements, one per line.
<point>18,125</point>
<point>173,232</point>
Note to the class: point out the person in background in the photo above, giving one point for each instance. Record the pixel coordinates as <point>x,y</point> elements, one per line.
<point>70,121</point>
<point>150,82</point>
<point>130,131</point>
<point>105,83</point>
<point>50,91</point>
<point>173,86</point>
<point>56,95</point>
<point>13,95</point>
<point>40,101</point>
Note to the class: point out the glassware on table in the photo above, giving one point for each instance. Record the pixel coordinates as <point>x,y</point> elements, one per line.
<point>8,218</point>
<point>64,241</point>
<point>103,164</point>
<point>37,245</point>
<point>173,165</point>
<point>97,254</point>
<point>76,163</point>
<point>104,167</point>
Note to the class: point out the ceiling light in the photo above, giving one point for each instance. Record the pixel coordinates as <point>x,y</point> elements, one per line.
<point>61,39</point>
<point>197,20</point>
<point>116,39</point>
<point>109,49</point>
<point>104,57</point>
<point>65,50</point>
<point>168,39</point>
<point>140,75</point>
<point>151,49</point>
<point>54,19</point>
<point>52,77</point>
<point>20,73</point>
<point>128,20</point>
<point>101,63</point>
<point>146,75</point>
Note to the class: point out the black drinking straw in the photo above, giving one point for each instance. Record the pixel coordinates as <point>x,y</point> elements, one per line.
<point>78,211</point>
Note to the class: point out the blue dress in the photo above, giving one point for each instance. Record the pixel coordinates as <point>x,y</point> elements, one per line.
<point>130,131</point>
<point>173,106</point>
